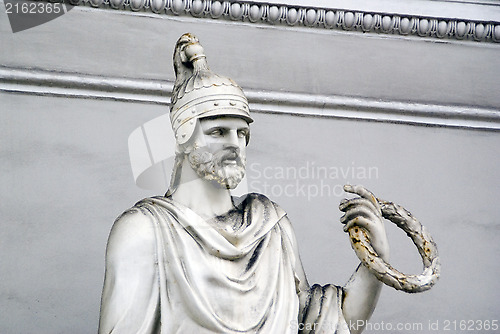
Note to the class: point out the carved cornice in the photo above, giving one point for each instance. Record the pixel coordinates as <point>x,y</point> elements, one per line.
<point>319,18</point>
<point>39,82</point>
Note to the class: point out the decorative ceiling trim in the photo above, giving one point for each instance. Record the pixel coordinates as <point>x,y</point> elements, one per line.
<point>319,18</point>
<point>47,83</point>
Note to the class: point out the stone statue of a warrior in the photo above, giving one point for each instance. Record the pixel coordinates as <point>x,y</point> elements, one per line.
<point>198,260</point>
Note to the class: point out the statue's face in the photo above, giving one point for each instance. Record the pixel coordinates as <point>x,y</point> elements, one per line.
<point>220,149</point>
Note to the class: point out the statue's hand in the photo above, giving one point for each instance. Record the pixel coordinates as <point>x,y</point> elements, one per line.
<point>365,212</point>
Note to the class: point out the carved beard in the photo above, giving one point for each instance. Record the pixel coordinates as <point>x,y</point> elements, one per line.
<point>219,167</point>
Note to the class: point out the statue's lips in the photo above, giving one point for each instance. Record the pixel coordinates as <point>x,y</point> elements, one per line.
<point>230,158</point>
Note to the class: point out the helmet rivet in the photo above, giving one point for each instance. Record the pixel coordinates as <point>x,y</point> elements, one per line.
<point>232,103</point>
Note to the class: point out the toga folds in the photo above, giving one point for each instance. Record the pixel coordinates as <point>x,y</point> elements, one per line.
<point>170,271</point>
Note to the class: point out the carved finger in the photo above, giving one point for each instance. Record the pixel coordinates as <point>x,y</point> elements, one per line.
<point>364,193</point>
<point>348,204</point>
<point>358,222</point>
<point>361,211</point>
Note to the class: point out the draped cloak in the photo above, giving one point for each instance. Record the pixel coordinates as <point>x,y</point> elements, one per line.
<point>204,279</point>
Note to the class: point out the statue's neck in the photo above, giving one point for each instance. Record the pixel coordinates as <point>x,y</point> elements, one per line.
<point>202,196</point>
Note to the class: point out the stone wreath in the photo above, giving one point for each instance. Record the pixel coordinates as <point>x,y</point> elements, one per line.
<point>384,271</point>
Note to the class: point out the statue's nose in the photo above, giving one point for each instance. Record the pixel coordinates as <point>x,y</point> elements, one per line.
<point>233,148</point>
<point>232,139</point>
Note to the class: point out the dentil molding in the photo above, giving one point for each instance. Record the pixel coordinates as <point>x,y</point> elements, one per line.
<point>314,17</point>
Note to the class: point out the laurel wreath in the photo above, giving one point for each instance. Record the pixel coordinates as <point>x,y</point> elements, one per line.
<point>426,246</point>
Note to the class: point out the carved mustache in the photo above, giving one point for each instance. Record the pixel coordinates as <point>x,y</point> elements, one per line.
<point>229,154</point>
<point>226,154</point>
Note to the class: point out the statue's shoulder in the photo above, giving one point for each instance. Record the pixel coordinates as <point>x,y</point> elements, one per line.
<point>252,199</point>
<point>132,234</point>
<point>262,205</point>
<point>258,201</point>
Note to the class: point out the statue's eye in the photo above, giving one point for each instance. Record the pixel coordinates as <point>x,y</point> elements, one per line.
<point>242,133</point>
<point>217,133</point>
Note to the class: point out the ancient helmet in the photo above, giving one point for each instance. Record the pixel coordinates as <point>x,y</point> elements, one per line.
<point>199,93</point>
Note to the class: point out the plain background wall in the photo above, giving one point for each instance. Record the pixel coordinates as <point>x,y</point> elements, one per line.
<point>65,170</point>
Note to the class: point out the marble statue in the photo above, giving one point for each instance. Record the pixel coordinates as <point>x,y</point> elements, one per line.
<point>198,260</point>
